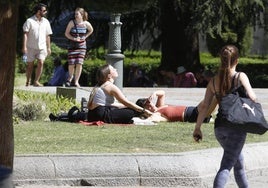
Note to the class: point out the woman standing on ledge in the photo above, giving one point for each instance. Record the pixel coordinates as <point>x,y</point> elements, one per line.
<point>102,105</point>
<point>77,31</point>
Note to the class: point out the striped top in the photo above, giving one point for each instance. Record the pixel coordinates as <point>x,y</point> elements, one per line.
<point>79,30</point>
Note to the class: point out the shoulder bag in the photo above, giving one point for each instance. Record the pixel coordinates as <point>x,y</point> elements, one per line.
<point>74,44</point>
<point>242,113</point>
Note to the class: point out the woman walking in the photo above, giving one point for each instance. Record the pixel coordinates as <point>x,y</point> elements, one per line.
<point>231,140</point>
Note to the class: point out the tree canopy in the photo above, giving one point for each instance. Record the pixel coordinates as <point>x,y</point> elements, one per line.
<point>173,26</point>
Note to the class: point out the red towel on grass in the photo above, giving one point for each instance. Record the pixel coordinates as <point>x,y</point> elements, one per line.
<point>99,123</point>
<point>92,123</point>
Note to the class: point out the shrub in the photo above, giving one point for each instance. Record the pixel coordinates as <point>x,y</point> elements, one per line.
<point>149,61</point>
<point>30,106</point>
<point>30,110</point>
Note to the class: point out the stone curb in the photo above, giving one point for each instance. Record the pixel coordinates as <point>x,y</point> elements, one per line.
<point>187,169</point>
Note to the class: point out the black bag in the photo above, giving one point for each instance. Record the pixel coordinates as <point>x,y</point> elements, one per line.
<point>242,113</point>
<point>73,115</point>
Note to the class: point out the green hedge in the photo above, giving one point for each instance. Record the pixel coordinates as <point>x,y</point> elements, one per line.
<point>255,67</point>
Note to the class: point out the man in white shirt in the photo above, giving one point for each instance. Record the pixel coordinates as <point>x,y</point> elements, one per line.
<point>36,42</point>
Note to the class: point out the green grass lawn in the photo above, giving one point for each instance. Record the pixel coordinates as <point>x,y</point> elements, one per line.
<point>42,137</point>
<point>36,137</point>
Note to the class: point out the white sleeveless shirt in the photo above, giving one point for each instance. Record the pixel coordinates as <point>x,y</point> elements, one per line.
<point>102,98</point>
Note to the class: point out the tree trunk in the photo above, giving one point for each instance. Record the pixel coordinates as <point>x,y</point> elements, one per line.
<point>8,35</point>
<point>180,47</point>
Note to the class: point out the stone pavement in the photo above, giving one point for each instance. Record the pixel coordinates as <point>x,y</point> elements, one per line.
<point>186,169</point>
<point>178,96</point>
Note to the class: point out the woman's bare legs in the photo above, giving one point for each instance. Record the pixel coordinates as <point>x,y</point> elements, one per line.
<point>71,73</point>
<point>78,71</point>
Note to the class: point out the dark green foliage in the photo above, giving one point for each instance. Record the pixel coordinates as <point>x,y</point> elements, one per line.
<point>149,62</point>
<point>236,21</point>
<point>255,67</point>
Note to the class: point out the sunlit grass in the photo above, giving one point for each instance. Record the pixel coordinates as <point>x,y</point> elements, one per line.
<point>69,138</point>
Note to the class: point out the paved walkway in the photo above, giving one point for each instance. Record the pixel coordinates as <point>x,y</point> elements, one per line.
<point>180,96</point>
<point>187,169</point>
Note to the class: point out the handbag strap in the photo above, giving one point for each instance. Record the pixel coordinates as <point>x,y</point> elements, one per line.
<point>75,27</point>
<point>235,86</point>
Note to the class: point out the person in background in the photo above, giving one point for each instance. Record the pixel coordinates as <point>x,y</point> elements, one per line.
<point>36,42</point>
<point>77,31</point>
<point>203,77</point>
<point>231,140</point>
<point>6,179</point>
<point>184,78</point>
<point>171,113</point>
<point>137,78</point>
<point>102,104</point>
<point>167,78</point>
<point>60,73</point>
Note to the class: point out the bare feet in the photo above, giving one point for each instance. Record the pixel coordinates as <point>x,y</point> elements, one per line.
<point>77,85</point>
<point>37,84</point>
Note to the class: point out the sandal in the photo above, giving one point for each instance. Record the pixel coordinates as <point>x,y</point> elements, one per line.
<point>68,84</point>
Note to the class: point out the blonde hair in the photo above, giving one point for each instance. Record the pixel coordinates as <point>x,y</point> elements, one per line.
<point>229,56</point>
<point>83,13</point>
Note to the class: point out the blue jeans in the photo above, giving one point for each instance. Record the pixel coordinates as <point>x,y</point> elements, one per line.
<point>232,142</point>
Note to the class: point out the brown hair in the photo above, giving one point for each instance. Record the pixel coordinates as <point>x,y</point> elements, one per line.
<point>39,7</point>
<point>141,102</point>
<point>102,74</point>
<point>83,13</point>
<point>229,56</point>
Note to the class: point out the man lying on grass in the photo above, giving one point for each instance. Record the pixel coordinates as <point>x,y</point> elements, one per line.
<point>171,113</point>
<point>161,111</point>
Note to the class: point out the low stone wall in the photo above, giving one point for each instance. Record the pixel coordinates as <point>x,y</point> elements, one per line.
<point>187,169</point>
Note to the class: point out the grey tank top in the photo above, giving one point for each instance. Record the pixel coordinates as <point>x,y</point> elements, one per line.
<point>102,98</point>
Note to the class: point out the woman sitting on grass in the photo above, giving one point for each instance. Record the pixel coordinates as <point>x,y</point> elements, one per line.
<point>172,113</point>
<point>102,105</point>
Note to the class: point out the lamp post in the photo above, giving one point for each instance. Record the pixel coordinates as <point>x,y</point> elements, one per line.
<point>114,56</point>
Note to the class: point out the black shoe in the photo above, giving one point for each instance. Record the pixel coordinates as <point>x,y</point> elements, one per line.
<point>52,117</point>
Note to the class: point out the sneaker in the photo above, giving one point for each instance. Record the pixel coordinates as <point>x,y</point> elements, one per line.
<point>52,117</point>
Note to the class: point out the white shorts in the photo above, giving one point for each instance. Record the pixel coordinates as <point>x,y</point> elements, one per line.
<point>33,54</point>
